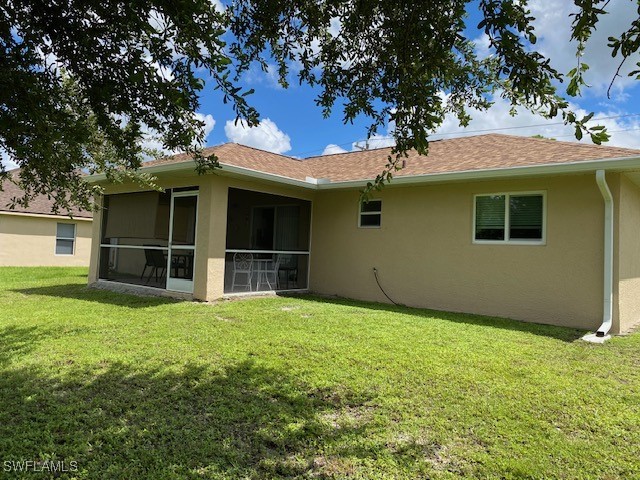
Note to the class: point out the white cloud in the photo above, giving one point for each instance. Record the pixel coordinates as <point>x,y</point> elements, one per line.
<point>553,29</point>
<point>335,27</point>
<point>375,141</point>
<point>498,120</point>
<point>166,73</point>
<point>152,139</point>
<point>483,48</point>
<point>624,132</point>
<point>209,123</point>
<point>623,128</point>
<point>332,148</point>
<point>6,161</point>
<point>256,76</point>
<point>217,4</point>
<point>553,25</point>
<point>265,136</point>
<point>378,140</point>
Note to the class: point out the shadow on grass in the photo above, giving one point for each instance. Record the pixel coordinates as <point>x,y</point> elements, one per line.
<point>117,421</point>
<point>84,293</point>
<point>559,333</point>
<point>16,342</point>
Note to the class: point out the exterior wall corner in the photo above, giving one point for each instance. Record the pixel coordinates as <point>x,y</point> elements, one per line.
<point>627,254</point>
<point>94,257</point>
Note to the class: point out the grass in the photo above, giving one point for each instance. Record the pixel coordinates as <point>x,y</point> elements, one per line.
<point>132,387</point>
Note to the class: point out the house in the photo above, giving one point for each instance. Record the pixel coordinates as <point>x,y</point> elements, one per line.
<point>525,228</point>
<point>35,236</point>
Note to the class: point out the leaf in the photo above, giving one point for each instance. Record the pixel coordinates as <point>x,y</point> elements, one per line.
<point>587,117</point>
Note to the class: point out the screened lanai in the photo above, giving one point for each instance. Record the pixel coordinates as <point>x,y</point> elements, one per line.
<point>148,238</point>
<point>267,246</point>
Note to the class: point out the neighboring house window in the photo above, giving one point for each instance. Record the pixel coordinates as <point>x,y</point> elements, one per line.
<point>65,238</point>
<point>510,218</point>
<point>370,214</point>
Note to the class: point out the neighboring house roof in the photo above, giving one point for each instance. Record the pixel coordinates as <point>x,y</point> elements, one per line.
<point>41,205</point>
<point>471,156</point>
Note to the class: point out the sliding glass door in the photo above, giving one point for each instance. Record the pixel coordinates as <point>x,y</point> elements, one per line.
<point>182,241</point>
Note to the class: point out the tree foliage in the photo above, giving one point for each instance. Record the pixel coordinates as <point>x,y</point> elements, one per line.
<point>134,67</point>
<point>138,66</point>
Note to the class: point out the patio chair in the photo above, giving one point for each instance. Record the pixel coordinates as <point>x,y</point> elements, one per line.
<point>289,270</point>
<point>268,273</point>
<point>156,262</point>
<point>242,265</point>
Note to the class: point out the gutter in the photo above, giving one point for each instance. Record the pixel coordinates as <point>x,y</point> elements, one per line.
<point>607,316</point>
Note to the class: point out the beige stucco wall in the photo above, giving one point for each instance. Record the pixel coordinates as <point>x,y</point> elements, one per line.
<point>94,256</point>
<point>30,240</point>
<point>627,265</point>
<point>426,258</point>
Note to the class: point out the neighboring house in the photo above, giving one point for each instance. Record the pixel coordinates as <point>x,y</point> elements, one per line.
<point>493,224</point>
<point>34,236</point>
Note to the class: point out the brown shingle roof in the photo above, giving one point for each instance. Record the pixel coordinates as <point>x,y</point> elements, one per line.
<point>41,205</point>
<point>247,157</point>
<point>481,152</point>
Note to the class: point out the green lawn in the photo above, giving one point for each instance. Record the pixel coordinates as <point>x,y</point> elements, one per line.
<point>132,387</point>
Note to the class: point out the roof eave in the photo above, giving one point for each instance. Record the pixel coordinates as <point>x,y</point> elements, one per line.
<point>190,165</point>
<point>615,164</point>
<point>154,169</point>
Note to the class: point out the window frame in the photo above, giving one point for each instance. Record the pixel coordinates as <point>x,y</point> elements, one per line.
<point>377,212</point>
<point>507,219</point>
<point>73,240</point>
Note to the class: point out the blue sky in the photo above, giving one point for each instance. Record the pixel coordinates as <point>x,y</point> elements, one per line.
<point>293,124</point>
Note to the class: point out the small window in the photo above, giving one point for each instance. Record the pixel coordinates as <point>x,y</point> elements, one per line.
<point>65,238</point>
<point>370,214</point>
<point>509,217</point>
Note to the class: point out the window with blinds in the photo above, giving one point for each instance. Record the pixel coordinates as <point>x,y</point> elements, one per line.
<point>65,238</point>
<point>509,217</point>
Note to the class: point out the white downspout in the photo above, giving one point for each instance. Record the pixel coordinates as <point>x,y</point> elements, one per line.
<point>607,317</point>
